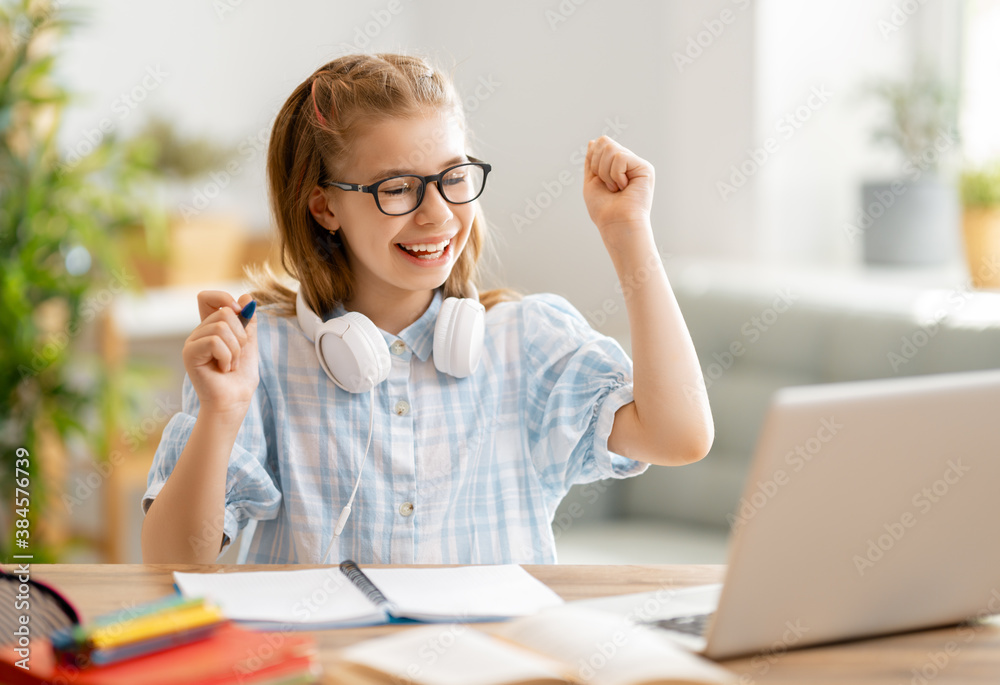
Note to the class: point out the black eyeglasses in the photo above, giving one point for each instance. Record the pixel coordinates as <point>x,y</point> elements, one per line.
<point>46,608</point>
<point>398,195</point>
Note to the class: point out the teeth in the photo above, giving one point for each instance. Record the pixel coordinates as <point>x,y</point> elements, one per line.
<point>426,247</point>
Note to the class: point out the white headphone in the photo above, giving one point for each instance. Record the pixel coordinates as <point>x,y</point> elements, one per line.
<point>354,355</point>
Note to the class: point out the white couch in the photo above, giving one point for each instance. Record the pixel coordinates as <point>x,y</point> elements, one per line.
<point>757,329</point>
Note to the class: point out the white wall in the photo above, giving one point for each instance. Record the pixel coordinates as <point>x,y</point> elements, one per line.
<point>981,97</point>
<point>811,186</point>
<point>549,77</point>
<point>568,77</point>
<point>541,79</point>
<point>227,67</point>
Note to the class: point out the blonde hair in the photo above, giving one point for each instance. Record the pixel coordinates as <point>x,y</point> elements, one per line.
<point>315,129</point>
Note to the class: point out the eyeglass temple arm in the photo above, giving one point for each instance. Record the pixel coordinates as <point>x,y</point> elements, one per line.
<point>347,186</point>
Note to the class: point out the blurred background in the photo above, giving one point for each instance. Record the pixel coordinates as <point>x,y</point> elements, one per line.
<point>826,208</point>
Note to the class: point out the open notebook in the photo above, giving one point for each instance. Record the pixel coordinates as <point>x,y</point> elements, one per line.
<point>344,596</point>
<point>565,644</point>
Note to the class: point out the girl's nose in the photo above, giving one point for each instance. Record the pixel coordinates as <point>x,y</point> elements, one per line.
<point>434,208</point>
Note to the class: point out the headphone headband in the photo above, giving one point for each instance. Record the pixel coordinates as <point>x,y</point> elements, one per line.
<point>353,353</point>
<point>307,318</point>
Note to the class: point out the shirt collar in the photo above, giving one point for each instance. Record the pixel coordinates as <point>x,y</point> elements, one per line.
<point>418,336</point>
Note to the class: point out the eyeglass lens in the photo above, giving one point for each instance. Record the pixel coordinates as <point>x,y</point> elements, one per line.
<point>46,609</point>
<point>402,194</point>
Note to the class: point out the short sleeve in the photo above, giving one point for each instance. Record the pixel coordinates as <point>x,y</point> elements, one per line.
<point>252,487</point>
<point>576,379</point>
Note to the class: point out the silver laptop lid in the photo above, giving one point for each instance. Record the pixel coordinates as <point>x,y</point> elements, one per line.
<point>870,508</point>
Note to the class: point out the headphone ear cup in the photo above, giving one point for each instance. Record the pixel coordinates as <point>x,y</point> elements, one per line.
<point>458,336</point>
<point>353,352</point>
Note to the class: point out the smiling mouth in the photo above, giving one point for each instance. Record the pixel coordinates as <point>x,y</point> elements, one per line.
<point>428,251</point>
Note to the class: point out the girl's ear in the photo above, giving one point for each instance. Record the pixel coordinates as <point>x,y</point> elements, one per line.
<point>319,207</point>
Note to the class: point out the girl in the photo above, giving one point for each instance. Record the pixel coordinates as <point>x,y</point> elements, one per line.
<point>477,418</point>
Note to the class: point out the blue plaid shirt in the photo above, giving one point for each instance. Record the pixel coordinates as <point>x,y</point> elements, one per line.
<point>461,471</point>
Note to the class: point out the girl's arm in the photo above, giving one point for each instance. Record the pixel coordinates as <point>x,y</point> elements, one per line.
<point>184,522</point>
<point>669,422</point>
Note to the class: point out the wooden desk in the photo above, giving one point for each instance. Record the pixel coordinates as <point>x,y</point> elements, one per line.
<point>947,655</point>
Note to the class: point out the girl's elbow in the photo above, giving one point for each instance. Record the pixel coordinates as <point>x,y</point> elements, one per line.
<point>680,450</point>
<point>700,437</point>
<point>704,440</point>
<point>698,448</point>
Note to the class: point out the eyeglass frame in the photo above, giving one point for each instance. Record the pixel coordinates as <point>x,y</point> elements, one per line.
<point>425,180</point>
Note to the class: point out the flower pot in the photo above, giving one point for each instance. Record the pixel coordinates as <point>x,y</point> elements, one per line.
<point>911,223</point>
<point>981,230</point>
<point>202,249</point>
<point>205,248</point>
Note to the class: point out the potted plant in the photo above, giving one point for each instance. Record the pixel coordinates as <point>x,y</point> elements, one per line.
<point>912,219</point>
<point>981,224</point>
<point>59,260</point>
<point>192,169</point>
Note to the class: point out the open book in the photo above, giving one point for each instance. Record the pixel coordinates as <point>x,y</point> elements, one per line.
<point>566,644</point>
<point>342,597</point>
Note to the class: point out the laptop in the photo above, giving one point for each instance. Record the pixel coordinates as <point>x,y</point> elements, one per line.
<point>871,508</point>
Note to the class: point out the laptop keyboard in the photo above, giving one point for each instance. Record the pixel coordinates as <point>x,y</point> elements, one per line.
<point>692,625</point>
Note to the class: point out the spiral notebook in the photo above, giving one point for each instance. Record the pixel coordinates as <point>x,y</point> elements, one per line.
<point>346,596</point>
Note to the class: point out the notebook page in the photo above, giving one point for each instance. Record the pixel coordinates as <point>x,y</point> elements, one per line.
<point>605,649</point>
<point>310,596</point>
<point>463,593</point>
<point>448,654</point>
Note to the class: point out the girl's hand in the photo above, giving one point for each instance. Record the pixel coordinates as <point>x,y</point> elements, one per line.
<point>618,190</point>
<point>220,356</point>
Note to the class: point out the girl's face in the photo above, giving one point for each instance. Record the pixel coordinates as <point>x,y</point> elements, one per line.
<point>393,256</point>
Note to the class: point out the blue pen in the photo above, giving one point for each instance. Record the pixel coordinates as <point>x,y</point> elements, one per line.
<point>247,313</point>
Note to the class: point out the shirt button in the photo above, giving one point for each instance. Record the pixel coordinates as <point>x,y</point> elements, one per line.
<point>397,347</point>
<point>406,508</point>
<point>402,408</point>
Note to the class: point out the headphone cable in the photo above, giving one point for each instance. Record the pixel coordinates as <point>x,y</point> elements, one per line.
<point>346,512</point>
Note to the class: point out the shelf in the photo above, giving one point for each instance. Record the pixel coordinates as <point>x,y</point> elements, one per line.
<point>167,312</point>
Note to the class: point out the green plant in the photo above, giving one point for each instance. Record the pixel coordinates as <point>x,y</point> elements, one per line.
<point>981,187</point>
<point>919,113</point>
<point>180,157</point>
<point>59,263</point>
